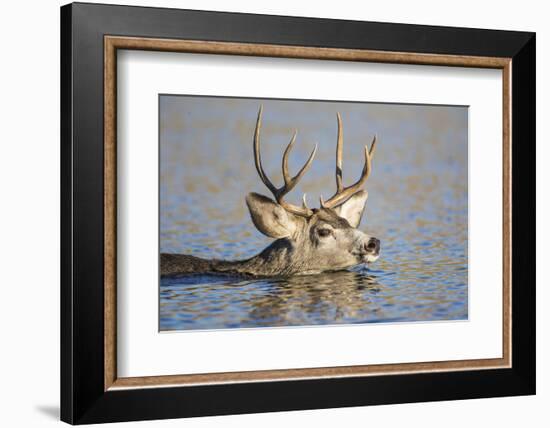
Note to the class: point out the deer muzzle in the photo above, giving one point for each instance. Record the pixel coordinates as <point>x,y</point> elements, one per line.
<point>369,250</point>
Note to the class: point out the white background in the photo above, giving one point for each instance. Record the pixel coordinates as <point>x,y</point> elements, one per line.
<point>142,351</point>
<point>29,226</point>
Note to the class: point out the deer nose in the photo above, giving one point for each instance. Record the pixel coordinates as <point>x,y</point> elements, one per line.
<point>373,246</point>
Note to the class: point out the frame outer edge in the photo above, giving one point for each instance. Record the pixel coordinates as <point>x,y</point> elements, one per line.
<point>314,32</point>
<point>82,400</point>
<point>524,216</point>
<point>66,304</point>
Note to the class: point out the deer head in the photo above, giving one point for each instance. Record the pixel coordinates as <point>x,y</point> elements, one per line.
<point>318,239</point>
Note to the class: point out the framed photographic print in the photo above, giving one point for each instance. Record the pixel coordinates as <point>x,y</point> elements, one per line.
<point>265,213</point>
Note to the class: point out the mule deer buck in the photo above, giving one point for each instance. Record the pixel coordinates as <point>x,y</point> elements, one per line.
<point>308,241</point>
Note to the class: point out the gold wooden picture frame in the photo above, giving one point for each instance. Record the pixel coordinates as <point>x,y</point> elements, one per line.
<point>114,43</point>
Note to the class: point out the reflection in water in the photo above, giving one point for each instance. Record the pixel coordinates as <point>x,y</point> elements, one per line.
<point>328,298</point>
<point>417,207</point>
<point>344,297</point>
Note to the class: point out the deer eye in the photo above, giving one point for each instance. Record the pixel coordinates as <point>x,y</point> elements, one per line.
<point>323,233</point>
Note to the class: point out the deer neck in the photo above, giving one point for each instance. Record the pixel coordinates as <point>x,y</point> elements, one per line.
<point>279,258</point>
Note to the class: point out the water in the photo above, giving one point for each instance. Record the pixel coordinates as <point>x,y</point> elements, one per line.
<point>417,207</point>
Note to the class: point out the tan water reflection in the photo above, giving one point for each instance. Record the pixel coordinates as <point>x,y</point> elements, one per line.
<point>337,297</point>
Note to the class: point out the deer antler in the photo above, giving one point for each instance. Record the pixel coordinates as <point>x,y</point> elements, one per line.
<point>344,193</point>
<point>290,182</point>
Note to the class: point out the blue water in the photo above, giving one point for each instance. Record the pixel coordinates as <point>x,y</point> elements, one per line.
<point>417,207</point>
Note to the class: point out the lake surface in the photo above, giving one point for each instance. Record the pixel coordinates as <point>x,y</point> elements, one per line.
<point>417,207</point>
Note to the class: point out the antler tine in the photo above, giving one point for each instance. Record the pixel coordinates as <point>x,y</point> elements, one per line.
<point>344,193</point>
<point>290,182</point>
<point>286,176</point>
<point>339,152</point>
<point>372,148</point>
<point>304,202</point>
<point>258,157</point>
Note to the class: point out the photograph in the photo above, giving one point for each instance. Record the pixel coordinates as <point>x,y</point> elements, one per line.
<point>291,212</point>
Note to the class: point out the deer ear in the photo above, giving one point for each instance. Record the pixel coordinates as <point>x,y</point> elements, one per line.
<point>269,217</point>
<point>352,209</point>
